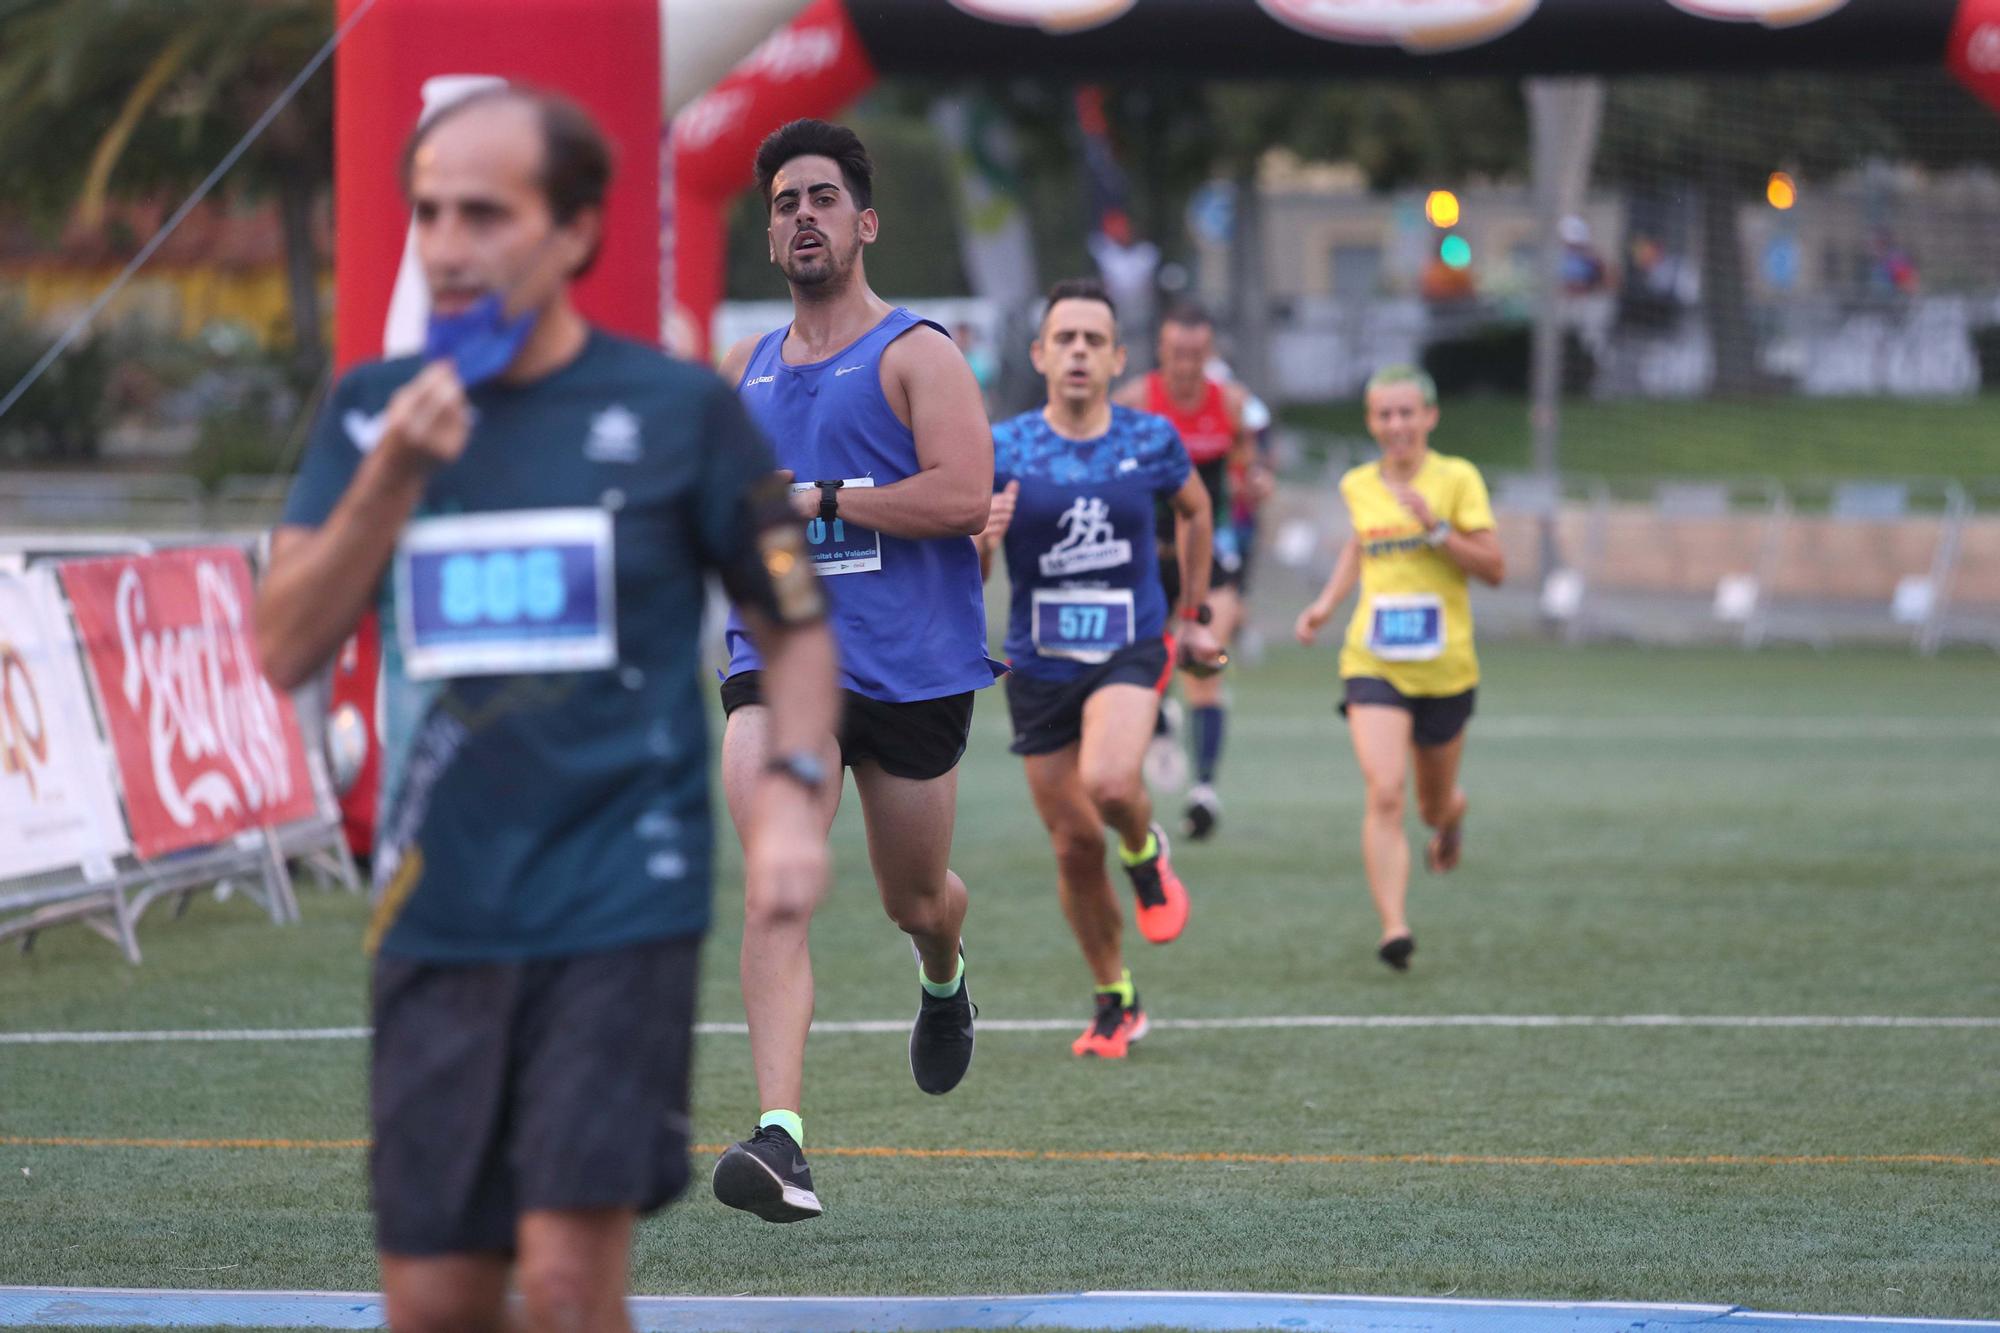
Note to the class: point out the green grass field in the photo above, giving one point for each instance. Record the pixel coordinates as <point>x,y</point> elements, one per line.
<point>1790,438</point>
<point>1692,833</point>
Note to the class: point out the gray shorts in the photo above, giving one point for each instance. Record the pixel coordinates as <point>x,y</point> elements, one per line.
<point>497,1089</point>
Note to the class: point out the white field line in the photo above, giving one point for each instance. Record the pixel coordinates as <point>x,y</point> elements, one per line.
<point>902,1026</point>
<point>1500,725</point>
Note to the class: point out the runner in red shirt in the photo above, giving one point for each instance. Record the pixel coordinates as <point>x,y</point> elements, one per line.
<point>1209,416</point>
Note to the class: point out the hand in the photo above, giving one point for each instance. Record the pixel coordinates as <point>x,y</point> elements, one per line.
<point>785,862</point>
<point>1418,507</point>
<point>1000,514</point>
<point>1259,484</point>
<point>428,422</point>
<point>1306,628</point>
<point>1200,644</point>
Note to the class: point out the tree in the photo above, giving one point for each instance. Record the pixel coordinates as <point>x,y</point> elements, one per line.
<point>105,99</point>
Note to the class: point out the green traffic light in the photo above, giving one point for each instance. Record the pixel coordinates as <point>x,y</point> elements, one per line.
<point>1455,251</point>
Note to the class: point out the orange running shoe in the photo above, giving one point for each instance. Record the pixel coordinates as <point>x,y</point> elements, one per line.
<point>1113,1028</point>
<point>1163,899</point>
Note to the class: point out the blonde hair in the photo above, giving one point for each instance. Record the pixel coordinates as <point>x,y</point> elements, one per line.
<point>1405,374</point>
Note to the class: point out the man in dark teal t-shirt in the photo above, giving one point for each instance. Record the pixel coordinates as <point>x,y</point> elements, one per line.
<point>533,505</point>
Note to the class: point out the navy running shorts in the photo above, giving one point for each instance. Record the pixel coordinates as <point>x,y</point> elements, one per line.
<point>1434,720</point>
<point>1048,714</point>
<point>921,740</point>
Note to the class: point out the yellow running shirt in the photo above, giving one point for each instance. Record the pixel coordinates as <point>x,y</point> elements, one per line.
<point>1413,623</point>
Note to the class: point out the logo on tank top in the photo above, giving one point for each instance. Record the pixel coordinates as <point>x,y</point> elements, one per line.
<point>1414,25</point>
<point>1090,544</point>
<point>761,379</point>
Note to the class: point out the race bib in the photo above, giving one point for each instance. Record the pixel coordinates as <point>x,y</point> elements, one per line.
<point>525,591</point>
<point>1406,628</point>
<point>841,547</point>
<point>1082,624</point>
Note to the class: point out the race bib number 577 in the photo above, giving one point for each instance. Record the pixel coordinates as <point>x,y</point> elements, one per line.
<point>519,592</point>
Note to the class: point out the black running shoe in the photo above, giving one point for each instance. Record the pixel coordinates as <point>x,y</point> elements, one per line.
<point>1204,812</point>
<point>941,1039</point>
<point>766,1174</point>
<point>1396,953</point>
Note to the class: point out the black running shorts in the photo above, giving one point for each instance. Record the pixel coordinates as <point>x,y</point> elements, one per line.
<point>1048,714</point>
<point>1435,720</point>
<point>498,1089</point>
<point>919,741</point>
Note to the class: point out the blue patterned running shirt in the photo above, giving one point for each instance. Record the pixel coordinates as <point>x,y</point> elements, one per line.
<point>1081,562</point>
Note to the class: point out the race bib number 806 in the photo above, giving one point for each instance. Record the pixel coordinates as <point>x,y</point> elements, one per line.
<point>525,591</point>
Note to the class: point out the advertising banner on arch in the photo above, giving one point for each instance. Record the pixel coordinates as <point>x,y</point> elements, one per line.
<point>57,805</point>
<point>205,747</point>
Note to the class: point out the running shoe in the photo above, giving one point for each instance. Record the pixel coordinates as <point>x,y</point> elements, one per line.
<point>1166,763</point>
<point>766,1174</point>
<point>941,1038</point>
<point>1204,812</point>
<point>1113,1028</point>
<point>1162,898</point>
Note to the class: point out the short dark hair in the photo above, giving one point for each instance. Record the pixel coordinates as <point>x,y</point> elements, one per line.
<point>1188,315</point>
<point>1080,289</point>
<point>817,138</point>
<point>576,157</point>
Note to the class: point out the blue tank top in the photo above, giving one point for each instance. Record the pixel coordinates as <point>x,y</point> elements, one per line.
<point>909,616</point>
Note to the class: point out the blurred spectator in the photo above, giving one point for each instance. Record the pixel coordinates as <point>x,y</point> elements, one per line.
<point>1582,268</point>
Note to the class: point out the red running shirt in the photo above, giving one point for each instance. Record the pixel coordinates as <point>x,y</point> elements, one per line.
<point>1207,431</point>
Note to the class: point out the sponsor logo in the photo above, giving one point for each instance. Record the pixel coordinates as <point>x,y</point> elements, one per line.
<point>1051,16</point>
<point>1127,465</point>
<point>1414,25</point>
<point>1090,544</point>
<point>794,53</point>
<point>761,379</point>
<point>847,370</point>
<point>1770,13</point>
<point>614,436</point>
<point>24,731</point>
<point>209,713</point>
<point>364,430</point>
<point>1982,49</point>
<point>709,117</point>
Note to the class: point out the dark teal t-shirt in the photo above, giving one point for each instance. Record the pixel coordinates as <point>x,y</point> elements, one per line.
<point>546,748</point>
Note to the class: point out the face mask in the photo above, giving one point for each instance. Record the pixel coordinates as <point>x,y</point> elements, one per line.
<point>481,341</point>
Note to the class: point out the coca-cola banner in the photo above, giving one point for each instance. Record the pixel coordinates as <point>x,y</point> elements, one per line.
<point>205,747</point>
<point>57,805</point>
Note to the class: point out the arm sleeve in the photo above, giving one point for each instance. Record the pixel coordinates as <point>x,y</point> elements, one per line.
<point>332,457</point>
<point>1471,510</point>
<point>743,522</point>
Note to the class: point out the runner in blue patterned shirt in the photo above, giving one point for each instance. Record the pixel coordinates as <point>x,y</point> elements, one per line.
<point>1073,511</point>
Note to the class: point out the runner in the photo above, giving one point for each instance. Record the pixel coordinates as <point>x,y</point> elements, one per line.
<point>1077,482</point>
<point>878,417</point>
<point>543,498</point>
<point>1422,525</point>
<point>1208,414</point>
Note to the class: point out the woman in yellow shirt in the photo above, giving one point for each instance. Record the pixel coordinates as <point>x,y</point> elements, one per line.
<point>1422,526</point>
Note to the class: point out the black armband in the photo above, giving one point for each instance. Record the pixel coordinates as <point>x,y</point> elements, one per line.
<point>773,574</point>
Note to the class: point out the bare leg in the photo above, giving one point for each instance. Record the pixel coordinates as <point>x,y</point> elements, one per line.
<point>1382,748</point>
<point>573,1269</point>
<point>1441,801</point>
<point>776,963</point>
<point>1075,831</point>
<point>909,826</point>
<point>447,1293</point>
<point>1117,725</point>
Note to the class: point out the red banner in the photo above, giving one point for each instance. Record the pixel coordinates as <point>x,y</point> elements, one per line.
<point>205,747</point>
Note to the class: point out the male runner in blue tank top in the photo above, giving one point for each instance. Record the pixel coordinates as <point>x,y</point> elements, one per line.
<point>534,502</point>
<point>880,421</point>
<point>1087,632</point>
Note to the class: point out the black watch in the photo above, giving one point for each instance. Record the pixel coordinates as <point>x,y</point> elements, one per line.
<point>829,499</point>
<point>801,766</point>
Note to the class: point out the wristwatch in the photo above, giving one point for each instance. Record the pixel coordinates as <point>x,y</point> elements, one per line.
<point>829,499</point>
<point>800,766</point>
<point>1439,533</point>
<point>1199,615</point>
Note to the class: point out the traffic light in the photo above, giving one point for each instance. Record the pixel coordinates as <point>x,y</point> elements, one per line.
<point>1782,191</point>
<point>1441,207</point>
<point>1455,251</point>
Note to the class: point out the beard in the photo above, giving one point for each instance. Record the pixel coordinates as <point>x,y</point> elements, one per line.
<point>823,268</point>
